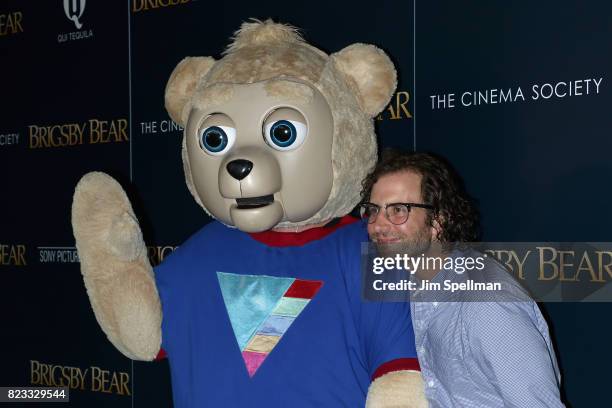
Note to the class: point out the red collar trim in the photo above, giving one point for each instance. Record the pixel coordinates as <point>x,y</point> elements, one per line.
<point>400,364</point>
<point>283,239</point>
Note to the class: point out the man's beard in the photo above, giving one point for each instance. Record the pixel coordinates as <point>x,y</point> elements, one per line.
<point>417,245</point>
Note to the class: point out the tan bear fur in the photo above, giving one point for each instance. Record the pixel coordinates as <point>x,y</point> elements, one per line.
<point>182,84</point>
<point>372,72</point>
<point>400,389</point>
<point>115,268</point>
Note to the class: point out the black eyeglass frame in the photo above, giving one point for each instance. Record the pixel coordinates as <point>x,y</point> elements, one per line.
<point>408,206</point>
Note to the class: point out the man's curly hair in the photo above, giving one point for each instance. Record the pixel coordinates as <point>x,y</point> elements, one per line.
<point>441,187</point>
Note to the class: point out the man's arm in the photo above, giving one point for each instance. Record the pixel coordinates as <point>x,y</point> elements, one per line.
<point>508,345</point>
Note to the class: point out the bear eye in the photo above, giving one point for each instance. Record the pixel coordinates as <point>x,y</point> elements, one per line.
<point>285,129</point>
<point>285,134</point>
<point>216,140</point>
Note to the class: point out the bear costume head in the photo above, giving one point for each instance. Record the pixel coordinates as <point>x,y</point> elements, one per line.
<point>277,133</point>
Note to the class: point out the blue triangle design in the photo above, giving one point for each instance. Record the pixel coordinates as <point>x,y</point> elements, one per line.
<point>249,300</point>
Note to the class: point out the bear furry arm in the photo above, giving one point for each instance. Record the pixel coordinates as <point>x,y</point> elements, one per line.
<point>117,274</point>
<point>398,389</point>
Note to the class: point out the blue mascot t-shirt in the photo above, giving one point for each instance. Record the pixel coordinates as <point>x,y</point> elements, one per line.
<point>250,324</point>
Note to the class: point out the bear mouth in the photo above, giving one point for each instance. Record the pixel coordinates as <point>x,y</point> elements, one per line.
<point>254,202</point>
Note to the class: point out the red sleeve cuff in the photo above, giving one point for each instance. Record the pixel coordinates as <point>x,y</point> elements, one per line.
<point>161,355</point>
<point>400,364</point>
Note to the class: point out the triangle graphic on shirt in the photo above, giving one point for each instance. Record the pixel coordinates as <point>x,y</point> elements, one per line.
<point>261,309</point>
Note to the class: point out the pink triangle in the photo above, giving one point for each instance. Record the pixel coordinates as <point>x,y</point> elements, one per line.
<point>253,360</point>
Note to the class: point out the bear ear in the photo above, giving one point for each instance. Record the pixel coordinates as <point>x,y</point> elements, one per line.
<point>182,84</point>
<point>373,73</point>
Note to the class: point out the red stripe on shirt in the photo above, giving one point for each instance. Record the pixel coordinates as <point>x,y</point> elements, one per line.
<point>304,289</point>
<point>283,239</point>
<point>161,355</point>
<point>399,364</point>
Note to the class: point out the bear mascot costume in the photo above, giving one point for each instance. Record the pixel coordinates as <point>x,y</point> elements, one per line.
<point>261,307</point>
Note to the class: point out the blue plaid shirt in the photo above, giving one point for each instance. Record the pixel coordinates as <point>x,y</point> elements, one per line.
<point>485,353</point>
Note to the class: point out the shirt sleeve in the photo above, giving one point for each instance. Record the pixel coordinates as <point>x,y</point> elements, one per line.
<point>384,328</point>
<point>510,344</point>
<point>388,338</point>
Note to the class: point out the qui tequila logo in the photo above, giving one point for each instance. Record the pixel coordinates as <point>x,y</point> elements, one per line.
<point>74,10</point>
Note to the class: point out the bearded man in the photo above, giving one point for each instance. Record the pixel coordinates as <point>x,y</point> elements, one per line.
<point>474,350</point>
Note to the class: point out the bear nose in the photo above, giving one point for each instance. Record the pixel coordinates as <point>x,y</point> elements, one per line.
<point>240,168</point>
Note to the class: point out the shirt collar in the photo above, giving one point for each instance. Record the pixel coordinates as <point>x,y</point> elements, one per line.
<point>285,239</point>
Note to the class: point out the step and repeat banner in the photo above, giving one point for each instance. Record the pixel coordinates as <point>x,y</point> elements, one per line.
<point>513,94</point>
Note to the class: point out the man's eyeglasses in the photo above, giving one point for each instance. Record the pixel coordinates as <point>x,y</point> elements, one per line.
<point>396,213</point>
